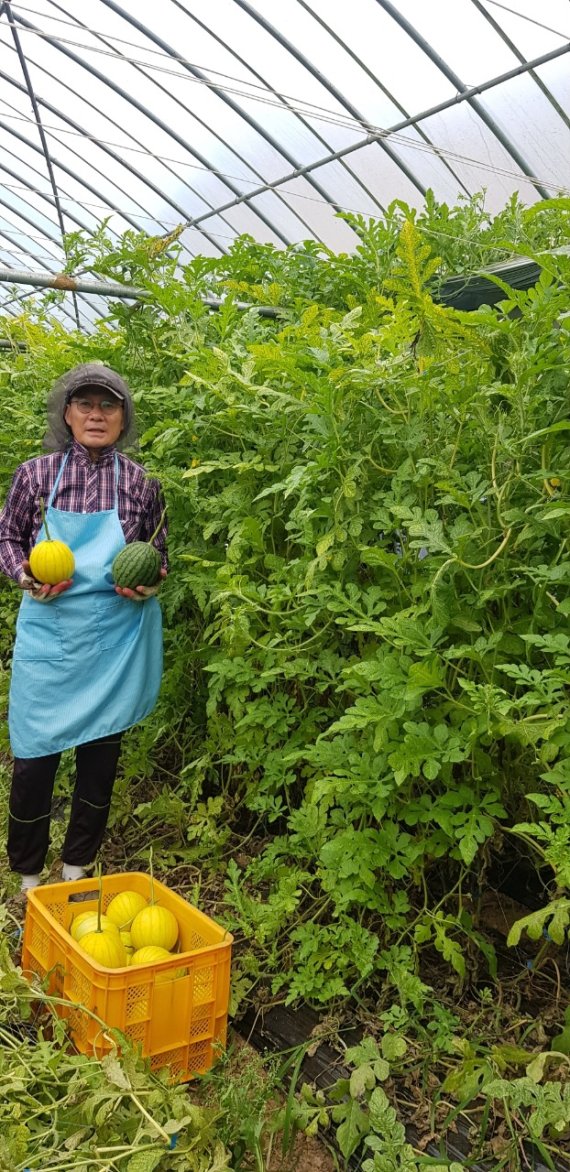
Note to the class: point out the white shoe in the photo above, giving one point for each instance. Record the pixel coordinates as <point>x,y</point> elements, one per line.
<point>29,881</point>
<point>71,874</point>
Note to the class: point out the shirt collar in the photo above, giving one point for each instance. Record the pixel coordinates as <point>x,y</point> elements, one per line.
<point>81,455</point>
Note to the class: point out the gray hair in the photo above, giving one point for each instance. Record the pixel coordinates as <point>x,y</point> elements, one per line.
<point>89,374</point>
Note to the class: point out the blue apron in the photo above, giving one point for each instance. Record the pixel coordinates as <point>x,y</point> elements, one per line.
<point>89,663</point>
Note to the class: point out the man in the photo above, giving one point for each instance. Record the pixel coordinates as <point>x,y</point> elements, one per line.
<point>87,660</point>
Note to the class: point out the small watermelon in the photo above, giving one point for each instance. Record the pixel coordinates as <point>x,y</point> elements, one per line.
<point>51,561</point>
<point>138,564</point>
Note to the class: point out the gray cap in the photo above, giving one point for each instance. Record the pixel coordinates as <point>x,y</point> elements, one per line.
<point>94,374</point>
<point>80,378</point>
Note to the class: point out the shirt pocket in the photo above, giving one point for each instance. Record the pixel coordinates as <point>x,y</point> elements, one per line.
<point>39,631</point>
<point>118,620</point>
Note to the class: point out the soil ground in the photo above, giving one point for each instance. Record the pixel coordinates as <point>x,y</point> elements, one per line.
<point>525,1005</point>
<point>308,1155</point>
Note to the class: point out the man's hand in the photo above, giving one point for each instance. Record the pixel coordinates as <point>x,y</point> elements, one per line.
<point>141,593</point>
<point>40,591</point>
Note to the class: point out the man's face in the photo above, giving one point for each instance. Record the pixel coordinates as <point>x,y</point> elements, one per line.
<point>95,418</point>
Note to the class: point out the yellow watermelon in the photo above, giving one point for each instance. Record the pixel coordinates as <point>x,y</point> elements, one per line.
<point>87,922</point>
<point>154,925</point>
<point>52,562</point>
<point>124,907</point>
<point>106,948</point>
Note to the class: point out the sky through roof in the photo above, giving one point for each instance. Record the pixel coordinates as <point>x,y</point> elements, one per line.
<point>234,116</point>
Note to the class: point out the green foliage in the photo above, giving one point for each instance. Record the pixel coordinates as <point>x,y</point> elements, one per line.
<point>552,919</point>
<point>65,1110</point>
<point>366,645</point>
<point>546,1108</point>
<point>241,1086</point>
<point>361,1112</point>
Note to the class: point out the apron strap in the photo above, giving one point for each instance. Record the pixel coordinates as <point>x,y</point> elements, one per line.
<point>57,480</point>
<point>116,504</point>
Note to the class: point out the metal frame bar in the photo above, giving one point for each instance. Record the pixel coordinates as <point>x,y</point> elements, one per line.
<point>77,199</point>
<point>66,282</point>
<point>41,195</point>
<point>520,272</point>
<point>224,97</point>
<point>187,109</point>
<point>168,130</point>
<point>23,65</point>
<point>511,45</point>
<point>328,85</point>
<point>80,179</point>
<point>27,220</point>
<point>186,217</point>
<point>461,88</point>
<point>456,100</point>
<point>72,174</point>
<point>6,236</point>
<point>163,196</point>
<point>59,306</point>
<point>38,259</point>
<point>14,246</point>
<point>228,101</point>
<point>271,89</point>
<point>469,94</point>
<point>110,289</point>
<point>383,89</point>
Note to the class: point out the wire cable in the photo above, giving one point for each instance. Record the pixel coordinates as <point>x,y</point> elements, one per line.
<point>228,76</point>
<point>278,185</point>
<point>299,102</point>
<point>404,140</point>
<point>494,248</point>
<point>294,105</point>
<point>530,19</point>
<point>307,110</point>
<point>203,124</point>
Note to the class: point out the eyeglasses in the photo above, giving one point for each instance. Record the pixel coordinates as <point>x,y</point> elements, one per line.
<point>107,406</point>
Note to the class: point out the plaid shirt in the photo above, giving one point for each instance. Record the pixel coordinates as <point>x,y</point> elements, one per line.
<point>84,487</point>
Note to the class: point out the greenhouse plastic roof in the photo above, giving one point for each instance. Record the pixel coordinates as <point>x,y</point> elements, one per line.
<point>233,116</point>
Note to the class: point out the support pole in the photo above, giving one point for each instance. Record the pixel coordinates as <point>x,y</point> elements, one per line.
<point>43,138</point>
<point>67,284</point>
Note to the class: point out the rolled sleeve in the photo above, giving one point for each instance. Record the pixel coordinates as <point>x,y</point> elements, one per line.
<point>16,523</point>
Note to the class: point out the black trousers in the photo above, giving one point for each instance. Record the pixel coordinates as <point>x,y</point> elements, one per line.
<point>30,805</point>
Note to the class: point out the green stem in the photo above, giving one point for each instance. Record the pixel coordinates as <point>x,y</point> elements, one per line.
<point>99,896</point>
<point>152,900</point>
<point>158,527</point>
<point>166,1137</point>
<point>44,518</point>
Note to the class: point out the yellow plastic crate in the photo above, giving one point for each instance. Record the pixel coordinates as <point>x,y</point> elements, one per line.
<point>179,1021</point>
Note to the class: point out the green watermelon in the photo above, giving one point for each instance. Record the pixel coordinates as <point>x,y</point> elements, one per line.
<point>138,564</point>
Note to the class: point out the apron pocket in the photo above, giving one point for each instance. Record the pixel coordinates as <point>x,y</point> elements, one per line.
<point>38,632</point>
<point>118,620</point>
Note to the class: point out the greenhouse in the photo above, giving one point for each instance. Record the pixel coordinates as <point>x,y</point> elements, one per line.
<point>285,592</point>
